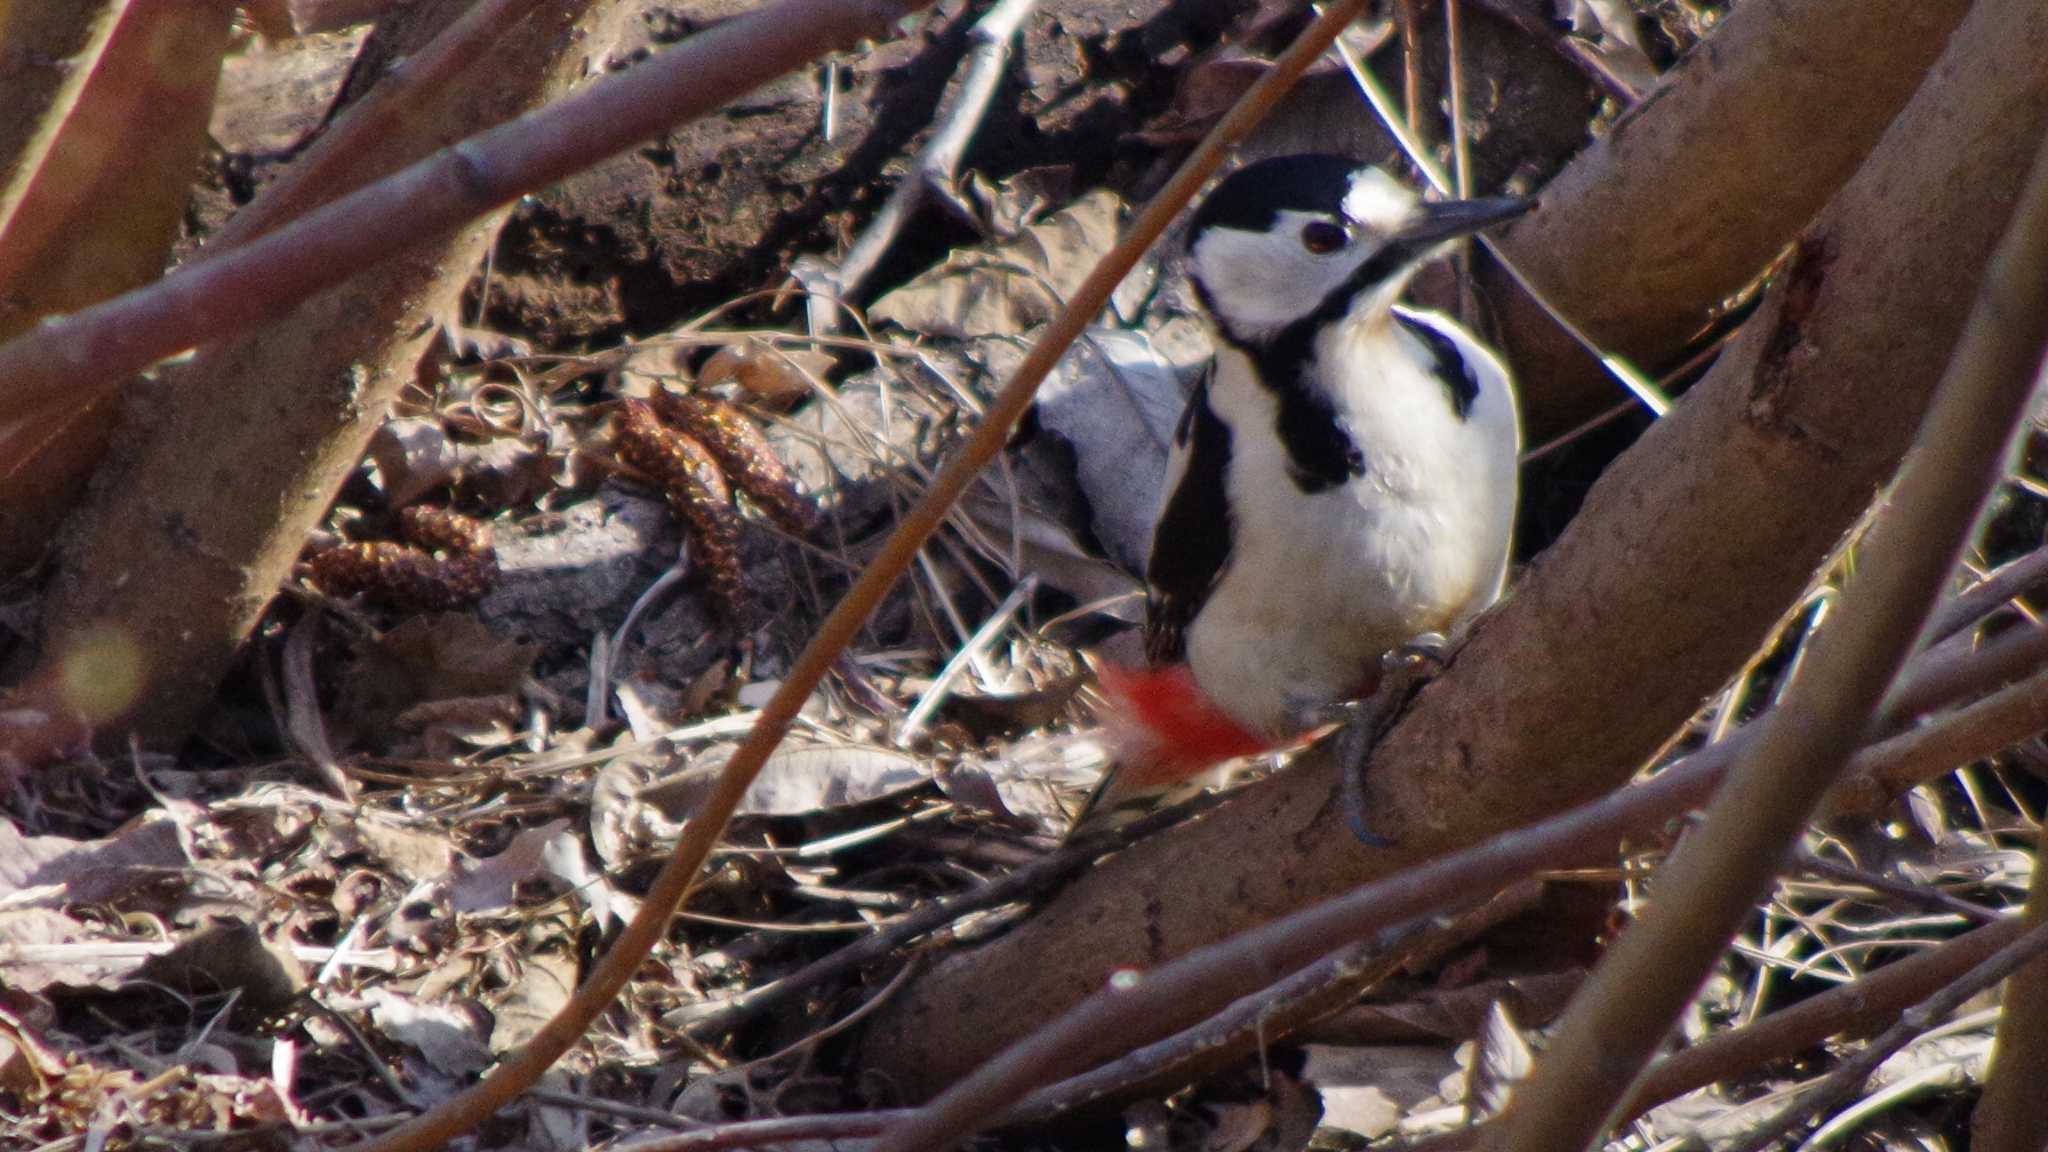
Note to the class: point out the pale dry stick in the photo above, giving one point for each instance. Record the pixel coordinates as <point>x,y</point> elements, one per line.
<point>1273,1013</point>
<point>1839,1084</point>
<point>984,638</point>
<point>1998,588</point>
<point>1930,898</point>
<point>1638,384</point>
<point>1030,878</point>
<point>72,361</point>
<point>937,166</point>
<point>1632,998</point>
<point>1214,975</point>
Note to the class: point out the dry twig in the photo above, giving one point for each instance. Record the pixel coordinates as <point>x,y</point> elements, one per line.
<point>70,361</point>
<point>672,885</point>
<point>933,174</point>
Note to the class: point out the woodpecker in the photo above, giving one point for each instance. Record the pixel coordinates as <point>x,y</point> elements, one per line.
<point>1342,482</point>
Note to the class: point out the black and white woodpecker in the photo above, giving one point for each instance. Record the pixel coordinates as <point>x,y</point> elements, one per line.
<point>1342,482</point>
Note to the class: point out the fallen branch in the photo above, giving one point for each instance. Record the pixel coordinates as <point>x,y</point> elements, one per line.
<point>70,361</point>
<point>933,174</point>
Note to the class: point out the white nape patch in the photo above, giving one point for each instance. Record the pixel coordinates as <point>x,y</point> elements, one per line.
<point>1259,282</point>
<point>1378,201</point>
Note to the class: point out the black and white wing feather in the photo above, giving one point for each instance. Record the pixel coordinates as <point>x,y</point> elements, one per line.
<point>1191,541</point>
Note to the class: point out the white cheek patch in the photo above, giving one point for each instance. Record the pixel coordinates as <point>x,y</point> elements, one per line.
<point>1378,201</point>
<point>1259,282</point>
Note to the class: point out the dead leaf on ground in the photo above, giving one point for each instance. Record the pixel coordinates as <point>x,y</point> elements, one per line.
<point>798,779</point>
<point>1016,285</point>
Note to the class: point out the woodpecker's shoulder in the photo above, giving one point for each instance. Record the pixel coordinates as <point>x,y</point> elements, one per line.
<point>1191,540</point>
<point>1465,367</point>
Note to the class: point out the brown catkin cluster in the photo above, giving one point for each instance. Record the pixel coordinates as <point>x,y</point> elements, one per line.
<point>743,451</point>
<point>694,482</point>
<point>446,562</point>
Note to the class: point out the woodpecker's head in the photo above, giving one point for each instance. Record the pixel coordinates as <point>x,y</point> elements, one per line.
<point>1297,238</point>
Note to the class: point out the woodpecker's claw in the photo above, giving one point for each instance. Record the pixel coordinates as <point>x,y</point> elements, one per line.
<point>1402,672</point>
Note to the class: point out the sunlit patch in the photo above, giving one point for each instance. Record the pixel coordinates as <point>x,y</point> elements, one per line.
<point>1378,201</point>
<point>101,676</point>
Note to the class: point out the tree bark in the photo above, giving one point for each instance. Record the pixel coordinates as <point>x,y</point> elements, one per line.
<point>1683,558</point>
<point>220,471</point>
<point>1699,188</point>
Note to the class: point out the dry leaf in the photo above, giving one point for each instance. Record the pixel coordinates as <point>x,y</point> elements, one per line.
<point>1012,286</point>
<point>798,779</point>
<point>779,376</point>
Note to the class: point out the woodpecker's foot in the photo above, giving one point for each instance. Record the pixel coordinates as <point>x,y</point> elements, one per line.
<point>1421,658</point>
<point>1403,672</point>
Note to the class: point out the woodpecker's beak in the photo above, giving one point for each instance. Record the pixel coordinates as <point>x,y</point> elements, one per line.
<point>1443,220</point>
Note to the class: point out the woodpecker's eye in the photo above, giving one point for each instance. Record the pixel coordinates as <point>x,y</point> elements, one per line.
<point>1322,237</point>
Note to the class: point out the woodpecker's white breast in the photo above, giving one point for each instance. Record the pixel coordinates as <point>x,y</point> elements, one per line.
<point>1318,585</point>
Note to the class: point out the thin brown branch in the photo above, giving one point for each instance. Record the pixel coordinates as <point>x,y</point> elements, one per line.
<point>333,164</point>
<point>2010,1118</point>
<point>71,361</point>
<point>780,1130</point>
<point>1913,757</point>
<point>1858,1006</point>
<point>1716,877</point>
<point>673,884</point>
<point>1270,1015</point>
<point>1953,671</point>
<point>2013,579</point>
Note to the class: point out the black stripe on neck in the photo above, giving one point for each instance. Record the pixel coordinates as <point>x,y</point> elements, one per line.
<point>1449,368</point>
<point>1320,452</point>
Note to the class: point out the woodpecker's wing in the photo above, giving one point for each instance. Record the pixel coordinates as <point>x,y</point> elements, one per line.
<point>1191,541</point>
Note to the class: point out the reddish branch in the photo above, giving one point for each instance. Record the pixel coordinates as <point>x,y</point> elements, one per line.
<point>70,361</point>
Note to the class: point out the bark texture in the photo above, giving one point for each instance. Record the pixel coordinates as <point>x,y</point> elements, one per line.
<point>1684,556</point>
<point>1692,195</point>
